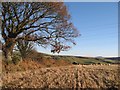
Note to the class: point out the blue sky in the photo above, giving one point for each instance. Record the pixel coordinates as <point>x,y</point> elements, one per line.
<point>98,26</point>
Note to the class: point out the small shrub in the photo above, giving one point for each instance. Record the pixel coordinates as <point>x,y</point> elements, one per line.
<point>8,62</point>
<point>56,58</point>
<point>16,58</point>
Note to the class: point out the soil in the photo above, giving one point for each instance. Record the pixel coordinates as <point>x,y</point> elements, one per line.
<point>69,76</point>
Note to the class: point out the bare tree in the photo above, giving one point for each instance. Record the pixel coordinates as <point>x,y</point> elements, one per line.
<point>25,48</point>
<point>45,23</point>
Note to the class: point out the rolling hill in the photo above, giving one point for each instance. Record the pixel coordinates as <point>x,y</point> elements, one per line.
<point>82,60</point>
<point>41,60</point>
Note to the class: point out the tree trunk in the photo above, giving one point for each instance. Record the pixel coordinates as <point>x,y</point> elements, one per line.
<point>8,49</point>
<point>7,55</point>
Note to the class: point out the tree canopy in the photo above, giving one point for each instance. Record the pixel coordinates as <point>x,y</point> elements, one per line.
<point>45,23</point>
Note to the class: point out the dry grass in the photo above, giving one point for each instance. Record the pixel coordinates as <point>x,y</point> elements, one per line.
<point>31,65</point>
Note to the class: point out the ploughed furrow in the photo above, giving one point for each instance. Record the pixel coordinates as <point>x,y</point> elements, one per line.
<point>78,76</point>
